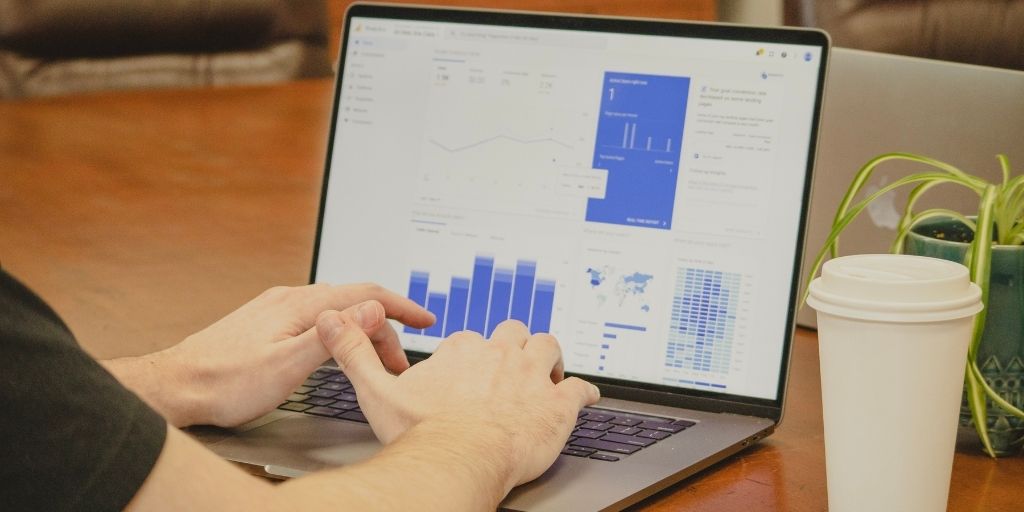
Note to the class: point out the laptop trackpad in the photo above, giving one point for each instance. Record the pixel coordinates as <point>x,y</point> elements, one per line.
<point>301,442</point>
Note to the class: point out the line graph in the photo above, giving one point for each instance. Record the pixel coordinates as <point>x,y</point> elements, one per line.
<point>458,149</point>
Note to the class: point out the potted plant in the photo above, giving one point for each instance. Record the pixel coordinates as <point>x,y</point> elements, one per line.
<point>990,242</point>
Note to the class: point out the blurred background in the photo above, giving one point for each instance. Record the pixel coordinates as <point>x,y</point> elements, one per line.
<point>55,47</point>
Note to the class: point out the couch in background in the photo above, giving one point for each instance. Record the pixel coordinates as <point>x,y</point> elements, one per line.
<point>985,32</point>
<point>52,47</point>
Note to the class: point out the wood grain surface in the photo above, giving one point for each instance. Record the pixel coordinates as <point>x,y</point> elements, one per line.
<point>142,217</point>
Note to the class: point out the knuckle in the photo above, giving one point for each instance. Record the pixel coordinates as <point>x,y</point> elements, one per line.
<point>445,344</point>
<point>276,292</point>
<point>310,293</point>
<point>464,336</point>
<point>505,348</point>
<point>513,323</point>
<point>371,288</point>
<point>318,288</point>
<point>546,339</point>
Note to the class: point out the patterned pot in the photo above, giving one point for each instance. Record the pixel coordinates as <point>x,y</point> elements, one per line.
<point>1001,353</point>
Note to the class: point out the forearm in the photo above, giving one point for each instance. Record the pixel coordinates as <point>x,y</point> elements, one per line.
<point>437,465</point>
<point>162,383</point>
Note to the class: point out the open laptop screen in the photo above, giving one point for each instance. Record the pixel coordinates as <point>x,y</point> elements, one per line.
<point>639,195</point>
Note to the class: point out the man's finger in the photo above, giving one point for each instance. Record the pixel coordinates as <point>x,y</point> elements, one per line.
<point>342,334</point>
<point>389,348</point>
<point>317,298</point>
<point>580,391</point>
<point>303,353</point>
<point>401,308</point>
<point>512,332</point>
<point>544,349</point>
<point>306,351</point>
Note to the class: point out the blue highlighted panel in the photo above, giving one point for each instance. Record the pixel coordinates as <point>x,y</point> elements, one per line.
<point>491,296</point>
<point>639,138</point>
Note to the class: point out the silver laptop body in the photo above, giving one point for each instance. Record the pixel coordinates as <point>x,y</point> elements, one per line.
<point>637,188</point>
<point>878,103</point>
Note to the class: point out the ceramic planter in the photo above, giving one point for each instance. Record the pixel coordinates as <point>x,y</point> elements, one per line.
<point>1001,353</point>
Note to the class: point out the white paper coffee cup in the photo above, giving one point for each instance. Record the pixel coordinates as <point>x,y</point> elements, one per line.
<point>893,332</point>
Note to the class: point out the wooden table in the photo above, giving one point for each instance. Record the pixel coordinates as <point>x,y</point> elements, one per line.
<point>142,217</point>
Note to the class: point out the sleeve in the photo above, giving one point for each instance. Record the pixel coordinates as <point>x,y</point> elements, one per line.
<point>73,437</point>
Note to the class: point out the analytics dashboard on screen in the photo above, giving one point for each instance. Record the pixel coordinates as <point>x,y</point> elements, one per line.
<point>639,197</point>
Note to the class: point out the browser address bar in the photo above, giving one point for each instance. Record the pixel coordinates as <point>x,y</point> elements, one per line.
<point>527,37</point>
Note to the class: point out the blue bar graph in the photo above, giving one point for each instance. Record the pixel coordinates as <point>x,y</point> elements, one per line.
<point>418,293</point>
<point>458,300</point>
<point>436,303</point>
<point>522,294</point>
<point>501,298</point>
<point>491,296</point>
<point>543,304</point>
<point>480,294</point>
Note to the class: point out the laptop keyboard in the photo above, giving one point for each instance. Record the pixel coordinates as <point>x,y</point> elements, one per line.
<point>604,434</point>
<point>600,434</point>
<point>327,393</point>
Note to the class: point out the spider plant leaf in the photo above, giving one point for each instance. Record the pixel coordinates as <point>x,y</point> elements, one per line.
<point>1004,165</point>
<point>864,174</point>
<point>981,263</point>
<point>901,235</point>
<point>976,402</point>
<point>831,242</point>
<point>912,198</point>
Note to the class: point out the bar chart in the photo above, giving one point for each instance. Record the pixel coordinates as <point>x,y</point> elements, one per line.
<point>703,322</point>
<point>629,140</point>
<point>489,296</point>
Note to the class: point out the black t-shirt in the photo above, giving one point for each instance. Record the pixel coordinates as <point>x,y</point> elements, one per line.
<point>71,437</point>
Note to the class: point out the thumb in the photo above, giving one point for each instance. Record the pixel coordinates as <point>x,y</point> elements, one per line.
<point>579,392</point>
<point>343,335</point>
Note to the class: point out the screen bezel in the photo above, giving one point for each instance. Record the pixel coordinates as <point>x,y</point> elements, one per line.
<point>619,388</point>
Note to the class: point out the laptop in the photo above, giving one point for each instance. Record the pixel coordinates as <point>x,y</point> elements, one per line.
<point>638,188</point>
<point>959,113</point>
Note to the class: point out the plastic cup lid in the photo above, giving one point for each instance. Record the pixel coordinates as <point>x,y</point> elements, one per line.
<point>895,288</point>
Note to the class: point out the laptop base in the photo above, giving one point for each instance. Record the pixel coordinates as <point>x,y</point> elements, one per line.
<point>284,445</point>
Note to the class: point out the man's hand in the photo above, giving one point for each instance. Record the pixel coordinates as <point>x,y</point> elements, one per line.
<point>247,363</point>
<point>509,390</point>
<point>462,427</point>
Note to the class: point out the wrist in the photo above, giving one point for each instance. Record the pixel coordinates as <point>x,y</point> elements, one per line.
<point>484,449</point>
<point>164,383</point>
